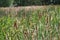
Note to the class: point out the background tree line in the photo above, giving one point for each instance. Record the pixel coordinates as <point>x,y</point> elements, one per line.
<point>7,3</point>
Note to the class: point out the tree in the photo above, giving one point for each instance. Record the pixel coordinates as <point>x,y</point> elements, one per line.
<point>6,3</point>
<point>27,2</point>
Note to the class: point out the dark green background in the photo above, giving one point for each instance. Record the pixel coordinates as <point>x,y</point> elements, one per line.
<point>7,3</point>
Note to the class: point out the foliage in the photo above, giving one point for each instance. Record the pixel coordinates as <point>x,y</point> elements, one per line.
<point>40,24</point>
<point>6,3</point>
<point>26,2</point>
<point>35,2</point>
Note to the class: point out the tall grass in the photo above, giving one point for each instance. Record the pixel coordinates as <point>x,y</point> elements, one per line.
<point>40,24</point>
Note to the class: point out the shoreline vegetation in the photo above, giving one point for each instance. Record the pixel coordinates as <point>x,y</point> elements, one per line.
<point>30,23</point>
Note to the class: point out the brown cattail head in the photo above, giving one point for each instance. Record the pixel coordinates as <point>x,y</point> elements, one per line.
<point>15,24</point>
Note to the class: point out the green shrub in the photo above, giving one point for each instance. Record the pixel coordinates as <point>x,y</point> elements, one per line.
<point>6,3</point>
<point>27,2</point>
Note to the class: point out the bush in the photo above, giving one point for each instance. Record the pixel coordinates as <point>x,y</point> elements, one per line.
<point>35,2</point>
<point>6,3</point>
<point>27,2</point>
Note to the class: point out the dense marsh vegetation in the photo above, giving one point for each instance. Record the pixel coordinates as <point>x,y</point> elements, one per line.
<point>39,24</point>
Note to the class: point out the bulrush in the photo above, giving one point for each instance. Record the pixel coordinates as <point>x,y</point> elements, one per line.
<point>25,32</point>
<point>15,24</point>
